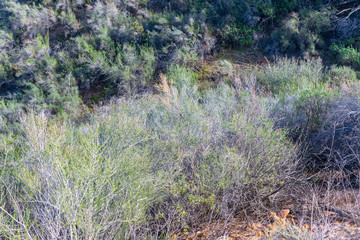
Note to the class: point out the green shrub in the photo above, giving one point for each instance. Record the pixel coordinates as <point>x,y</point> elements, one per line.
<point>237,35</point>
<point>303,31</point>
<point>6,43</point>
<point>141,164</point>
<point>326,124</point>
<point>181,75</point>
<point>301,113</point>
<point>290,75</point>
<point>30,21</point>
<point>341,75</point>
<point>125,67</point>
<point>89,182</point>
<point>346,55</point>
<point>10,112</point>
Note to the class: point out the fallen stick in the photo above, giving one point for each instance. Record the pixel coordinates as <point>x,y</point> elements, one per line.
<point>191,235</point>
<point>340,217</point>
<point>339,211</point>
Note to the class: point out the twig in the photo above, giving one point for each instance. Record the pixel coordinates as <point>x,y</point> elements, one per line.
<point>339,211</point>
<point>340,217</point>
<point>272,193</point>
<point>345,10</point>
<point>15,220</point>
<point>346,2</point>
<point>353,11</point>
<point>191,235</point>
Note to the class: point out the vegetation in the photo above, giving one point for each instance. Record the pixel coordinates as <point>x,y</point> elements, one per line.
<point>177,158</point>
<point>108,130</point>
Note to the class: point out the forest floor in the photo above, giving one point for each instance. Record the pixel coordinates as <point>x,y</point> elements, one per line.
<point>244,63</point>
<point>302,220</point>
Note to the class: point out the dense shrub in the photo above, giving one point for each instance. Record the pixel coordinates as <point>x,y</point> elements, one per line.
<point>52,52</point>
<point>342,75</point>
<point>325,122</point>
<point>237,35</point>
<point>101,49</point>
<point>291,75</point>
<point>329,128</point>
<point>303,31</point>
<point>142,164</point>
<point>346,55</point>
<point>336,141</point>
<point>157,162</point>
<point>320,113</point>
<point>301,113</point>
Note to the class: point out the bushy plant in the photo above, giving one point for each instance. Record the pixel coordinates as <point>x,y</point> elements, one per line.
<point>6,45</point>
<point>303,31</point>
<point>86,182</point>
<point>301,113</point>
<point>10,112</point>
<point>113,47</point>
<point>180,75</point>
<point>237,35</point>
<point>346,55</point>
<point>336,141</point>
<point>342,75</point>
<point>157,164</point>
<point>291,75</point>
<point>29,21</point>
<point>325,122</point>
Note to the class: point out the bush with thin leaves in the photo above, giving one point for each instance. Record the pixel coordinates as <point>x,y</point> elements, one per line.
<point>142,168</point>
<point>287,76</point>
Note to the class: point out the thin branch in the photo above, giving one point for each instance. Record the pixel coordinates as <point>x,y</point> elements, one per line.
<point>272,193</point>
<point>191,235</point>
<point>342,11</point>
<point>353,11</point>
<point>339,211</point>
<point>21,224</point>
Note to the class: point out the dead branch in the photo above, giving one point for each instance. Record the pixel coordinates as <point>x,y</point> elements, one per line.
<point>352,12</point>
<point>339,211</point>
<point>192,234</point>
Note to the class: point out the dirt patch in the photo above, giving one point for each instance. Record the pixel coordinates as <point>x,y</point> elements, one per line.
<point>230,66</point>
<point>319,212</point>
<point>281,225</point>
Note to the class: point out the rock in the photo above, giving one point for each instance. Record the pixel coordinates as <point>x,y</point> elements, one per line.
<point>158,28</point>
<point>143,14</point>
<point>132,8</point>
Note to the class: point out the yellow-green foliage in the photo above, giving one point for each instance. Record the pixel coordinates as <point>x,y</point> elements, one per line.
<point>290,75</point>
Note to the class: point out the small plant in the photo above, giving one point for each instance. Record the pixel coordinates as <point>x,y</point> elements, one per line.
<point>237,35</point>
<point>339,75</point>
<point>290,75</point>
<point>347,55</point>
